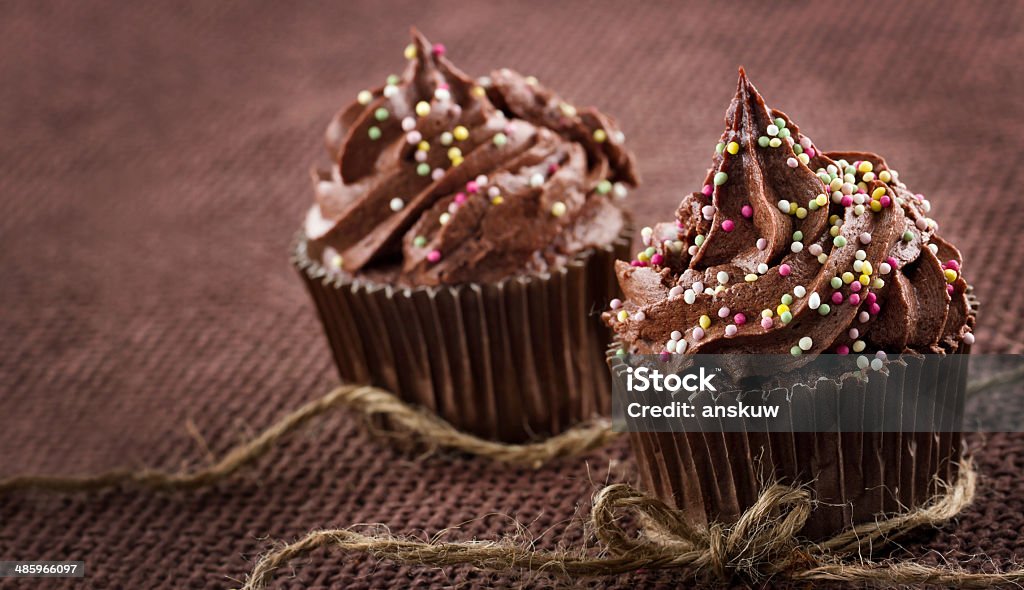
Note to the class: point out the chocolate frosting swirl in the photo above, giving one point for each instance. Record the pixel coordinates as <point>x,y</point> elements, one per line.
<point>440,179</point>
<point>788,249</point>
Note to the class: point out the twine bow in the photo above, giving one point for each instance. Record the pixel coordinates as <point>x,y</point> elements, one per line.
<point>763,544</point>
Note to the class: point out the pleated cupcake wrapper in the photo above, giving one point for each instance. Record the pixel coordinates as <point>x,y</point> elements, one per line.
<point>516,360</point>
<point>878,462</point>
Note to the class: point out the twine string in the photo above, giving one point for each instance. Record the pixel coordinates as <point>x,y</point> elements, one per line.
<point>763,544</point>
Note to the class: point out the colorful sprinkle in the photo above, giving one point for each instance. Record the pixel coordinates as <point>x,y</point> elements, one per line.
<point>434,256</point>
<point>396,204</point>
<point>374,133</point>
<point>720,178</point>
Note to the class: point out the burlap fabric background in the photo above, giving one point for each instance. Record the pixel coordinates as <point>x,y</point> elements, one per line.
<point>153,169</point>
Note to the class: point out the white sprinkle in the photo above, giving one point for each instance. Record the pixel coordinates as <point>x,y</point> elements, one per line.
<point>396,204</point>
<point>681,346</point>
<point>762,268</point>
<point>689,297</point>
<point>858,265</point>
<point>676,335</point>
<point>863,362</point>
<point>814,301</point>
<point>854,333</point>
<point>799,291</point>
<point>880,355</point>
<point>784,206</point>
<point>708,211</point>
<point>773,130</point>
<point>860,255</point>
<point>408,124</point>
<point>537,180</point>
<point>670,346</point>
<point>675,292</point>
<point>864,317</point>
<point>692,250</point>
<point>730,331</point>
<point>865,238</point>
<point>934,248</point>
<point>921,224</point>
<point>697,286</point>
<point>876,365</point>
<point>723,312</point>
<point>884,268</point>
<point>619,190</point>
<point>420,156</point>
<point>442,94</point>
<point>762,243</point>
<point>445,218</point>
<point>481,180</point>
<point>792,162</point>
<point>814,249</point>
<point>797,246</point>
<point>969,338</point>
<point>414,137</point>
<point>640,316</point>
<point>437,174</point>
<point>723,277</point>
<point>805,142</point>
<point>493,192</point>
<point>615,303</point>
<point>805,343</point>
<point>391,91</point>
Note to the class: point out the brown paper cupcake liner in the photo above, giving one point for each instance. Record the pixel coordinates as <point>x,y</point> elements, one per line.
<point>512,361</point>
<point>856,474</point>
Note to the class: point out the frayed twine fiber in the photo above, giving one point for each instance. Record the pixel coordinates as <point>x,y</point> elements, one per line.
<point>762,545</point>
<point>368,401</point>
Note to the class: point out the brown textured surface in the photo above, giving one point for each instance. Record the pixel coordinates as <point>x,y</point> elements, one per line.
<point>153,170</point>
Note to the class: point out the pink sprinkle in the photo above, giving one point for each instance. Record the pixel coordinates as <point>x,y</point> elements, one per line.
<point>698,333</point>
<point>854,299</point>
<point>762,243</point>
<point>552,168</point>
<point>434,256</point>
<point>954,265</point>
<point>728,225</point>
<point>739,319</point>
<point>657,259</point>
<point>870,297</point>
<point>810,152</point>
<point>723,312</point>
<point>855,286</point>
<point>842,349</point>
<point>730,331</point>
<point>460,198</point>
<point>949,289</point>
<point>874,308</point>
<point>766,323</point>
<point>665,355</point>
<point>637,263</point>
<point>438,49</point>
<point>969,338</point>
<point>615,303</point>
<point>885,201</point>
<point>847,200</point>
<point>784,270</point>
<point>891,261</point>
<point>747,211</point>
<point>707,190</point>
<point>472,187</point>
<point>837,297</point>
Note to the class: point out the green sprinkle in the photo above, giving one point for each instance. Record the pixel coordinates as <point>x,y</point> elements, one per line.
<point>721,178</point>
<point>824,308</point>
<point>423,169</point>
<point>719,148</point>
<point>763,141</point>
<point>836,282</point>
<point>795,351</point>
<point>699,240</point>
<point>499,139</point>
<point>393,79</point>
<point>813,205</point>
<point>825,177</point>
<point>419,242</point>
<point>908,236</point>
<point>775,142</point>
<point>381,114</point>
<point>798,236</point>
<point>849,170</point>
<point>650,251</point>
<point>780,123</point>
<point>787,299</point>
<point>798,149</point>
<point>620,352</point>
<point>784,133</point>
<point>374,133</point>
<point>839,241</point>
<point>786,317</point>
<point>604,187</point>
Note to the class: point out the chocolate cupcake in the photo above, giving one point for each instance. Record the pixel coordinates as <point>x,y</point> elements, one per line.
<point>462,239</point>
<point>791,250</point>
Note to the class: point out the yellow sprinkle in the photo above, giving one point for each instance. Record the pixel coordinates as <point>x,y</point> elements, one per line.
<point>862,186</point>
<point>422,108</point>
<point>781,309</point>
<point>458,161</point>
<point>600,135</point>
<point>705,322</point>
<point>642,257</point>
<point>423,146</point>
<point>866,268</point>
<point>497,200</point>
<point>869,176</point>
<point>461,133</point>
<point>821,200</point>
<point>836,184</point>
<point>833,231</point>
<point>865,166</point>
<point>410,51</point>
<point>877,283</point>
<point>364,97</point>
<point>531,80</point>
<point>478,91</point>
<point>877,193</point>
<point>733,148</point>
<point>793,207</point>
<point>567,109</point>
<point>750,278</point>
<point>623,316</point>
<point>876,206</point>
<point>833,219</point>
<point>801,213</point>
<point>847,277</point>
<point>767,313</point>
<point>804,159</point>
<point>864,280</point>
<point>950,275</point>
<point>884,176</point>
<point>336,261</point>
<point>454,153</point>
<point>558,210</point>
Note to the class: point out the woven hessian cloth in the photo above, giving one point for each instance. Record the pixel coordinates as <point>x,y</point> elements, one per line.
<point>153,170</point>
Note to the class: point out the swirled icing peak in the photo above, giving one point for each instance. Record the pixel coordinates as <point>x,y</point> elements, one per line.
<point>789,249</point>
<point>443,179</point>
